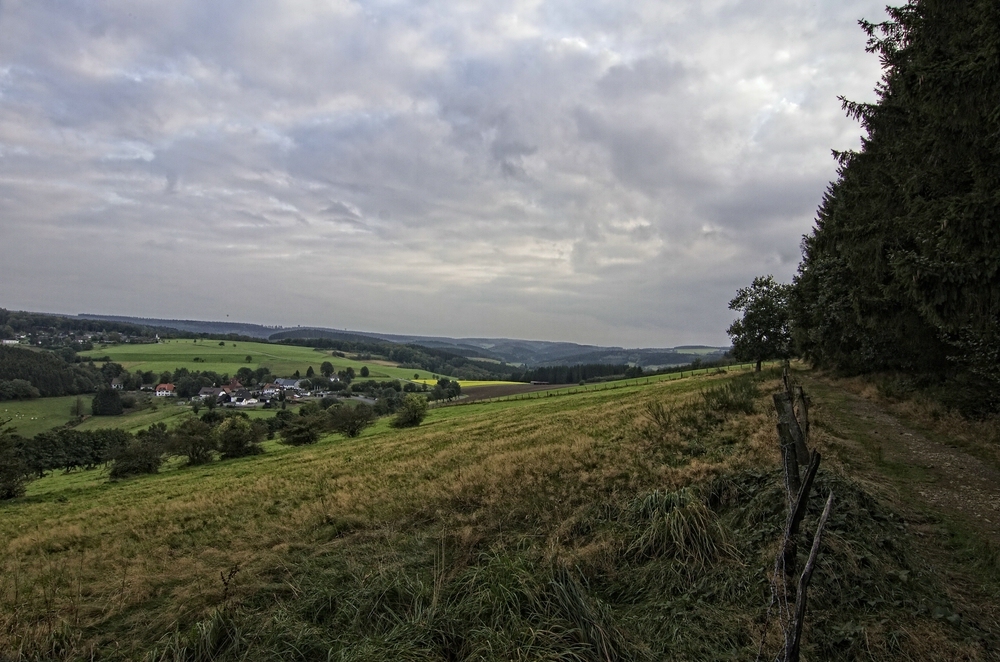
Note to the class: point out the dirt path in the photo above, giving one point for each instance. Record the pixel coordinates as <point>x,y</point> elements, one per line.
<point>949,479</point>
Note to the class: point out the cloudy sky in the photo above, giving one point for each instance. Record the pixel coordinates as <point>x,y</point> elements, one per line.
<point>596,171</point>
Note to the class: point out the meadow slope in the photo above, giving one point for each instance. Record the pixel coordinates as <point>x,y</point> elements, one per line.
<point>638,523</point>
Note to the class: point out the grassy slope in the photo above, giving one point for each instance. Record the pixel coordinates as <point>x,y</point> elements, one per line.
<point>281,360</point>
<point>499,530</point>
<point>29,417</point>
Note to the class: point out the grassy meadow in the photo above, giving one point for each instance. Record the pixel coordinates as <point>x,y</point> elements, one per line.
<point>281,360</point>
<point>29,417</point>
<point>632,524</point>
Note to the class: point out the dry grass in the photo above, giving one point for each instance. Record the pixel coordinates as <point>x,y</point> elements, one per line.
<point>626,524</point>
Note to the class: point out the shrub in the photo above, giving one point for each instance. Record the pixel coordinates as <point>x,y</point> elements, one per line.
<point>411,412</point>
<point>238,438</point>
<point>303,430</point>
<point>350,421</point>
<point>142,455</point>
<point>736,396</point>
<point>194,439</point>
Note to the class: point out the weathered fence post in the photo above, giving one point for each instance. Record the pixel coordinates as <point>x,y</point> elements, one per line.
<point>792,407</point>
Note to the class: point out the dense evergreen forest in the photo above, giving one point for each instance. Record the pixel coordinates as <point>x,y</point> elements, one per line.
<point>901,270</point>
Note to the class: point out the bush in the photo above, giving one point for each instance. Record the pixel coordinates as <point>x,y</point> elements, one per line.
<point>238,438</point>
<point>303,430</point>
<point>411,413</point>
<point>142,455</point>
<point>194,439</point>
<point>350,421</point>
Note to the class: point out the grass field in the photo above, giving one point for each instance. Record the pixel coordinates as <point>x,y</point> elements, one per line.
<point>523,529</point>
<point>281,360</point>
<point>29,417</point>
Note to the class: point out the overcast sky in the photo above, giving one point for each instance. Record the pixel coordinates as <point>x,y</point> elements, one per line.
<point>603,172</point>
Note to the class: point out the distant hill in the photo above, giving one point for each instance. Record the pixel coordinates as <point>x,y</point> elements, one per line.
<point>192,326</point>
<point>545,353</point>
<point>530,353</point>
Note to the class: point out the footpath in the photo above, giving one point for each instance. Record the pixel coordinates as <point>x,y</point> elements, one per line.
<point>948,495</point>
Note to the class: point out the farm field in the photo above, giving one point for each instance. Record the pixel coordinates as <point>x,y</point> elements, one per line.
<point>281,360</point>
<point>29,417</point>
<point>521,529</point>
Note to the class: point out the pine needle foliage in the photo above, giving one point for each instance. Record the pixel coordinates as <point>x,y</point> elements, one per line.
<point>902,271</point>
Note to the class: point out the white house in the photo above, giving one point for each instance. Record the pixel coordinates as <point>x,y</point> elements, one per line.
<point>165,390</point>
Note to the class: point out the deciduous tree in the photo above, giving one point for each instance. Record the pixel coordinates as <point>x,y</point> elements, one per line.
<point>762,332</point>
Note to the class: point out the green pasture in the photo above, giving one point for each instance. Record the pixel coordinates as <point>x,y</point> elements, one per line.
<point>29,417</point>
<point>281,360</point>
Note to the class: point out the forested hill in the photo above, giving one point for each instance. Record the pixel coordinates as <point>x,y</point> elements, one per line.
<point>25,374</point>
<point>902,271</point>
<point>254,331</point>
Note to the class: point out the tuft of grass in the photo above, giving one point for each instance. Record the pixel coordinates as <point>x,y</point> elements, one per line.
<point>679,525</point>
<point>734,396</point>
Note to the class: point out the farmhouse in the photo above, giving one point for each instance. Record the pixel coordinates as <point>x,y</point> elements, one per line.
<point>165,390</point>
<point>242,398</point>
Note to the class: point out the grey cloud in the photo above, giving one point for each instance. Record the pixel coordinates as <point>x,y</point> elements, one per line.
<point>592,171</point>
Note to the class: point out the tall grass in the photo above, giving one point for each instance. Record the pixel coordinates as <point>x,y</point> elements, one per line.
<point>544,530</point>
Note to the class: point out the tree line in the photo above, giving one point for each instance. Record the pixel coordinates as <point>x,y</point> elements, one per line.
<point>28,374</point>
<point>901,272</point>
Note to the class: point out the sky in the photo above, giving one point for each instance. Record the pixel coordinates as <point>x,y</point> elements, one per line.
<point>602,172</point>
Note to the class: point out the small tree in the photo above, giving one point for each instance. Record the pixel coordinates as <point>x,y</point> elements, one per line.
<point>763,331</point>
<point>302,431</point>
<point>364,371</point>
<point>14,471</point>
<point>141,455</point>
<point>106,402</point>
<point>237,438</point>
<point>350,421</point>
<point>411,412</point>
<point>310,372</point>
<point>194,439</point>
<point>326,368</point>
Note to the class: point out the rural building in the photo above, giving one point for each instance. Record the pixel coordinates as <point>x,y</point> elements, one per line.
<point>164,390</point>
